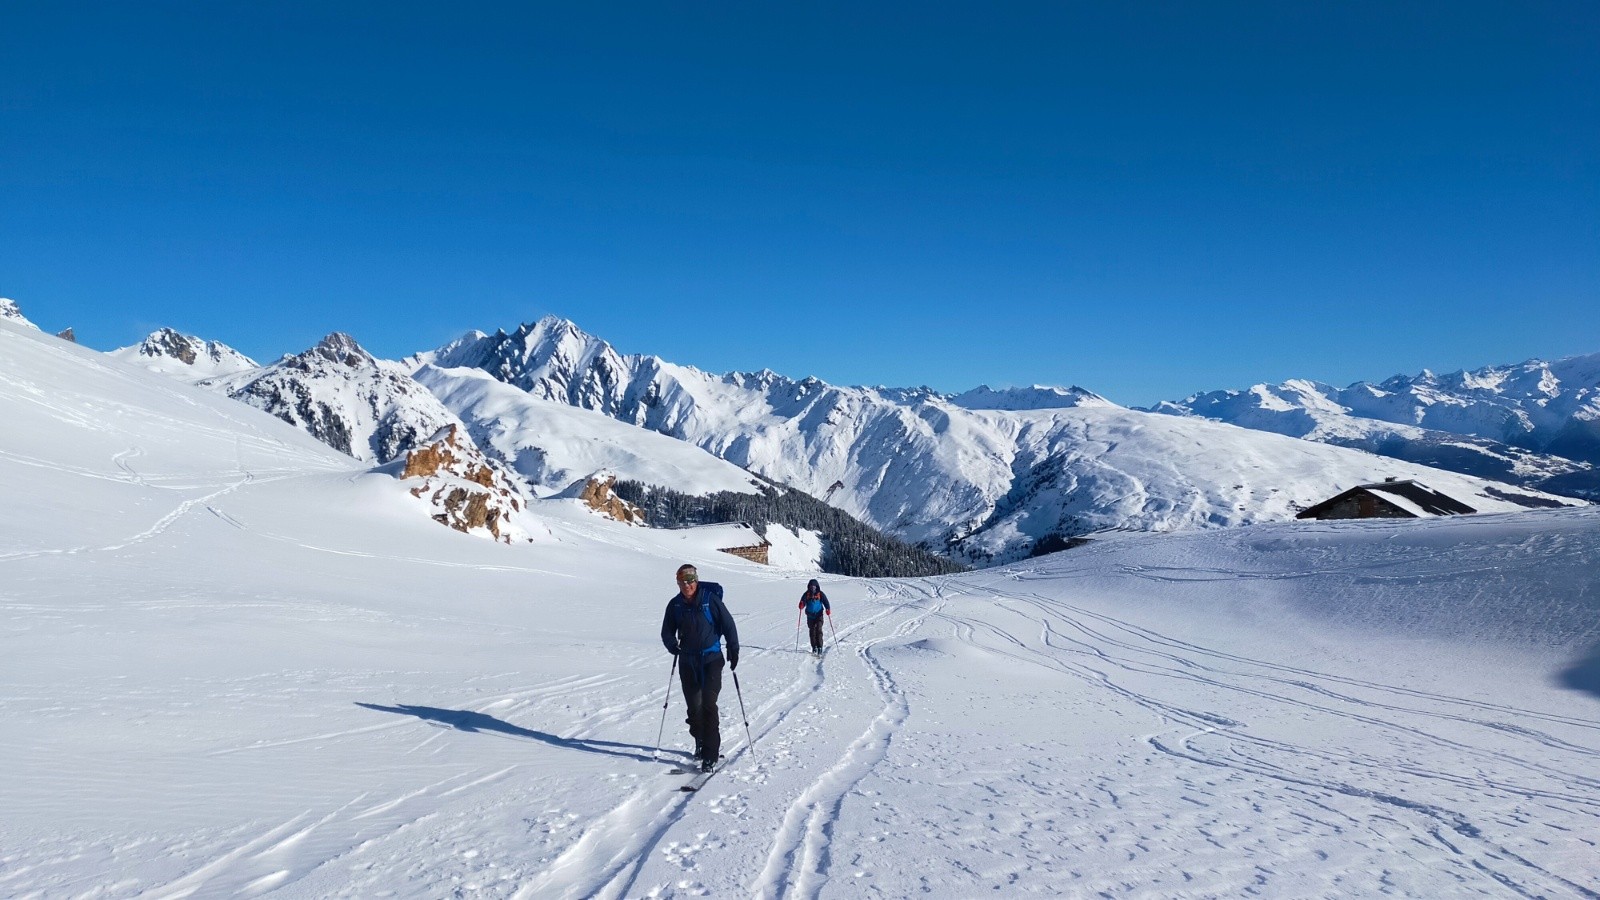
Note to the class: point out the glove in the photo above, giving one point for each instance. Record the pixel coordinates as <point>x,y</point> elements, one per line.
<point>828,612</point>
<point>673,650</point>
<point>733,661</point>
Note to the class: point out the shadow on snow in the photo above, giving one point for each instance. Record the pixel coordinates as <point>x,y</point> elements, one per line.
<point>477,722</point>
<point>1583,675</point>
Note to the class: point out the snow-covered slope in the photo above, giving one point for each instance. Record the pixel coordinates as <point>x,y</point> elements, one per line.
<point>985,483</point>
<point>552,444</point>
<point>339,394</point>
<point>1535,424</point>
<point>184,356</point>
<point>239,665</point>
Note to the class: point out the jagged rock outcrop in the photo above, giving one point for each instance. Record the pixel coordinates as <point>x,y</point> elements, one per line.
<point>12,313</point>
<point>599,495</point>
<point>343,397</point>
<point>186,357</point>
<point>67,334</point>
<point>466,490</point>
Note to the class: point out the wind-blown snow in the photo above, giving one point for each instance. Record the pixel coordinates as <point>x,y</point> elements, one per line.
<point>238,664</point>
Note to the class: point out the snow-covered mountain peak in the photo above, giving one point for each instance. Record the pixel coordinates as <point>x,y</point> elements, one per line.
<point>1038,396</point>
<point>184,356</point>
<point>345,398</point>
<point>12,313</point>
<point>341,348</point>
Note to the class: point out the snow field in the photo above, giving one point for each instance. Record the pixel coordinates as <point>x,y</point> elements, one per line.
<point>238,665</point>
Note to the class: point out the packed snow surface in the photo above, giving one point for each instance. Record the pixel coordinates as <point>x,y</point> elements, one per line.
<point>239,664</point>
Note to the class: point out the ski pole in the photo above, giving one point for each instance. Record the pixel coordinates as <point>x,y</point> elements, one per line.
<point>834,630</point>
<point>656,756</point>
<point>797,632</point>
<point>747,735</point>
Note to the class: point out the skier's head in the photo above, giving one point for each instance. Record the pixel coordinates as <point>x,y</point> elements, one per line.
<point>688,581</point>
<point>813,586</point>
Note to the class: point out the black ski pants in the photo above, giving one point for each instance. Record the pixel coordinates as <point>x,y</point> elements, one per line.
<point>816,631</point>
<point>702,682</point>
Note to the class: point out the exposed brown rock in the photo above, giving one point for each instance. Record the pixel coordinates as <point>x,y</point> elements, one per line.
<point>467,492</point>
<point>598,495</point>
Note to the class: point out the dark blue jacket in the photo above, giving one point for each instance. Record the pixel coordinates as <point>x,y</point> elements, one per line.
<point>693,626</point>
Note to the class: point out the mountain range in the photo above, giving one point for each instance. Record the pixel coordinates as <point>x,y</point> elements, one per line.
<point>982,476</point>
<point>1535,424</point>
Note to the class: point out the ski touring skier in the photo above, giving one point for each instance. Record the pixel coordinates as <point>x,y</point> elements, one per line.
<point>694,628</point>
<point>816,605</point>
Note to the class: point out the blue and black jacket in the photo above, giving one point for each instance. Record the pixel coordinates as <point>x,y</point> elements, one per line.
<point>814,602</point>
<point>695,628</point>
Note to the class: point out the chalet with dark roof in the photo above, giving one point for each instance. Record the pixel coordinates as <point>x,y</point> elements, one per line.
<point>1388,499</point>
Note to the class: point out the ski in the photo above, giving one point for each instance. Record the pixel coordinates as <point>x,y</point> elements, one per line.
<point>699,780</point>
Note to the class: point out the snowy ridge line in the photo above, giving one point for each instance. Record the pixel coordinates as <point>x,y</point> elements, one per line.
<point>802,840</point>
<point>1205,726</point>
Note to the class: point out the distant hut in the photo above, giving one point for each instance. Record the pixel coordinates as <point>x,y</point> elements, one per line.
<point>1388,499</point>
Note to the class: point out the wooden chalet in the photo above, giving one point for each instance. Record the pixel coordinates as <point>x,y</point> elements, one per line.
<point>1387,499</point>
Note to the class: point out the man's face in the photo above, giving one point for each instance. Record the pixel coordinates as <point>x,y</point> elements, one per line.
<point>688,585</point>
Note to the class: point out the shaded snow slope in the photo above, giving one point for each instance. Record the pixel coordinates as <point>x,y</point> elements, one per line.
<point>553,444</point>
<point>238,665</point>
<point>984,484</point>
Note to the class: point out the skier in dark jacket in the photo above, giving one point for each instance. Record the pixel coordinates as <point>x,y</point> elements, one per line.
<point>693,630</point>
<point>815,603</point>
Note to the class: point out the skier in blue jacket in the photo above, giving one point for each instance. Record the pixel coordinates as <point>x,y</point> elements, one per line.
<point>693,630</point>
<point>816,605</point>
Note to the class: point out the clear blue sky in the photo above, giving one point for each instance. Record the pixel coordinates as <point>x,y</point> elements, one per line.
<point>1143,199</point>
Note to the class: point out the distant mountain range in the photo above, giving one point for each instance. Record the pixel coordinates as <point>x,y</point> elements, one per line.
<point>982,476</point>
<point>1534,424</point>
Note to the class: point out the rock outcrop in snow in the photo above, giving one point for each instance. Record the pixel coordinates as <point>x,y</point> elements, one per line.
<point>599,494</point>
<point>464,488</point>
<point>10,312</point>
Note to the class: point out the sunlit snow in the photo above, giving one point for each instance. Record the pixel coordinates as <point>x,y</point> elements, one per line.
<point>240,664</point>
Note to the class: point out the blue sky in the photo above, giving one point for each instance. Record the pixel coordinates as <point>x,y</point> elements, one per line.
<point>1143,199</point>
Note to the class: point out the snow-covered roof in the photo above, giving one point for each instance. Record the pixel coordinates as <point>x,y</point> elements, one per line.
<point>1410,496</point>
